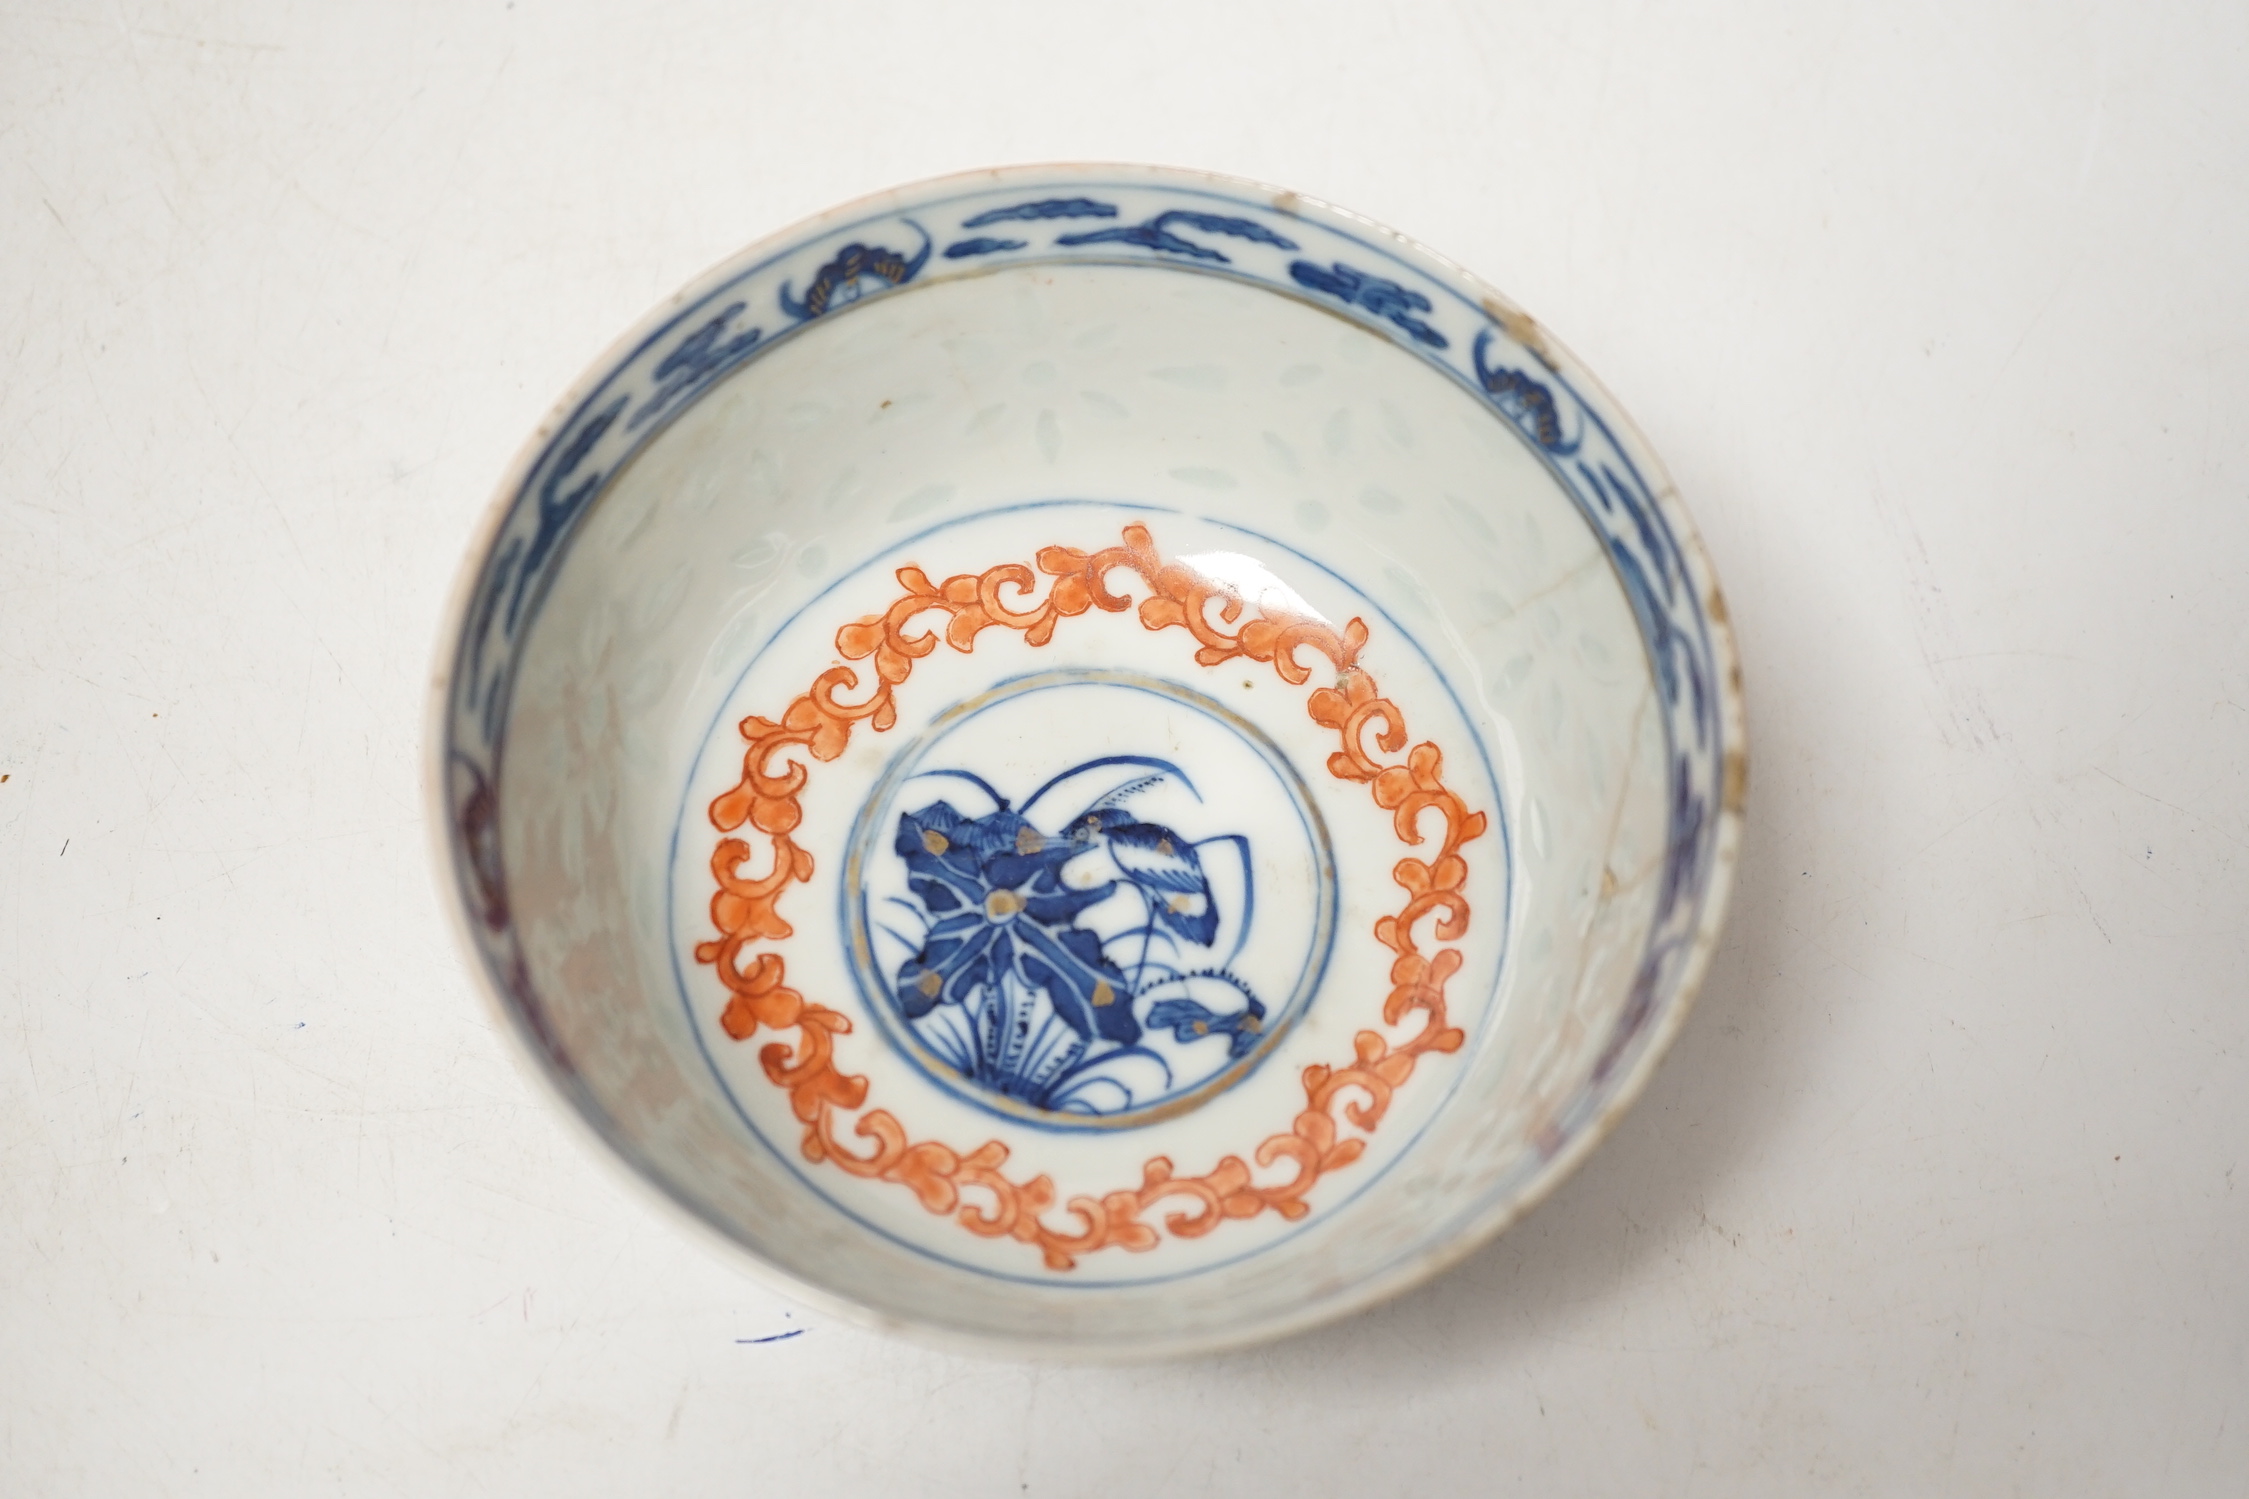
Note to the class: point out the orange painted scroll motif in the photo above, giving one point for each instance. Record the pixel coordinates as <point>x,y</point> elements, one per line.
<point>972,1186</point>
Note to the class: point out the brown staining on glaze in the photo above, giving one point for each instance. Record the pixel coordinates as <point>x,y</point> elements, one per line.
<point>1736,793</point>
<point>1521,327</point>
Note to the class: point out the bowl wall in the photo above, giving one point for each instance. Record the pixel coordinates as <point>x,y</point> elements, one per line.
<point>1325,429</point>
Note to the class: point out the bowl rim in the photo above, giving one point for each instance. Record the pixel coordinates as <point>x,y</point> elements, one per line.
<point>1410,1270</point>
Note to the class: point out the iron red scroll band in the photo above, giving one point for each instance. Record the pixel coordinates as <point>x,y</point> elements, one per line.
<point>820,723</point>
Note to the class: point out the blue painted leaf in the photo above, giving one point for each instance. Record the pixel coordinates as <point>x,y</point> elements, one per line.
<point>1167,867</point>
<point>700,358</point>
<point>1190,1021</point>
<point>982,244</point>
<point>1211,223</point>
<point>1145,236</point>
<point>1382,297</point>
<point>1061,908</point>
<point>1044,208</point>
<point>1156,234</point>
<point>941,847</point>
<point>955,960</point>
<point>935,895</point>
<point>1090,994</point>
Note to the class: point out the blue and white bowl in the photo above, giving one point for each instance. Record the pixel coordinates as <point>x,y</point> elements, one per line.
<point>1090,761</point>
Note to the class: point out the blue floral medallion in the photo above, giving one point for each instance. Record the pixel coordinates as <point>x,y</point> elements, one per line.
<point>1104,946</point>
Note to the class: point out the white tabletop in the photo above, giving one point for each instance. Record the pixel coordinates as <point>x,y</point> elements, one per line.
<point>1940,315</point>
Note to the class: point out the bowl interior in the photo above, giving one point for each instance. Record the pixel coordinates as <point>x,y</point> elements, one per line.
<point>1159,537</point>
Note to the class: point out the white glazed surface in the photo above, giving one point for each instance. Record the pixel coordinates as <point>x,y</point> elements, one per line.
<point>965,423</point>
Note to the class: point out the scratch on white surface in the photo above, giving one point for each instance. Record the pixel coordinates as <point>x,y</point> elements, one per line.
<point>1934,628</point>
<point>46,198</point>
<point>2045,305</point>
<point>2201,823</point>
<point>1962,823</point>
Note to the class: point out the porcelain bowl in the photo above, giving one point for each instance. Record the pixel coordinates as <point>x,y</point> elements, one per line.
<point>1090,762</point>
